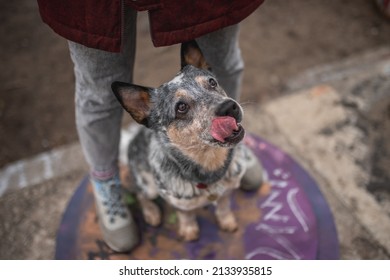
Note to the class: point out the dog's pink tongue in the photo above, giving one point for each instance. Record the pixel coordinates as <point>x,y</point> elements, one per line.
<point>222,127</point>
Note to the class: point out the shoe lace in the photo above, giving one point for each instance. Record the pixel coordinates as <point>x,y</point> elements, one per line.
<point>112,200</point>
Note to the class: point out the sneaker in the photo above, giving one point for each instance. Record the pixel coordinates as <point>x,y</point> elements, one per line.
<point>253,176</point>
<point>116,223</point>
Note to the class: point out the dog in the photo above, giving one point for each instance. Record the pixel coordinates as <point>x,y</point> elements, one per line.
<point>188,150</point>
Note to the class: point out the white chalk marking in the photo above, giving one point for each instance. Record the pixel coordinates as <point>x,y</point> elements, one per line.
<point>269,252</point>
<point>275,207</point>
<point>297,211</point>
<point>276,229</point>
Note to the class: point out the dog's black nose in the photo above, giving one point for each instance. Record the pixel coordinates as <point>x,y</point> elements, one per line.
<point>229,108</point>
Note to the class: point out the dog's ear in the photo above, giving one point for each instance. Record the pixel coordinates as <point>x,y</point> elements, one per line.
<point>191,54</point>
<point>134,99</point>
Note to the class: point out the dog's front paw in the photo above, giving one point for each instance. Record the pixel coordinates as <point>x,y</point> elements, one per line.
<point>228,223</point>
<point>189,232</point>
<point>152,214</point>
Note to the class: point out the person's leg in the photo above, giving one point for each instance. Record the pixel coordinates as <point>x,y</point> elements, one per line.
<point>222,52</point>
<point>98,121</point>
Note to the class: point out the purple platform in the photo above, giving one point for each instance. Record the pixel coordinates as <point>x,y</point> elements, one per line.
<point>292,221</point>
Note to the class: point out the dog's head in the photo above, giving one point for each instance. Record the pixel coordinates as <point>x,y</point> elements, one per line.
<point>191,111</point>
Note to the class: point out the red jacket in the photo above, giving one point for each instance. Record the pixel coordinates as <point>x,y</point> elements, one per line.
<point>98,24</point>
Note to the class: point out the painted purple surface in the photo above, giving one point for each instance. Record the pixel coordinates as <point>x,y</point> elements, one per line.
<point>287,228</point>
<point>295,220</point>
<point>209,233</point>
<point>66,248</point>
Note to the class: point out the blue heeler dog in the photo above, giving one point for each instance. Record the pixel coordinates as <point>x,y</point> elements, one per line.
<point>188,150</point>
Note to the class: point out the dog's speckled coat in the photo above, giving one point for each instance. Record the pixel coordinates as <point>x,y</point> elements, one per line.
<point>174,153</point>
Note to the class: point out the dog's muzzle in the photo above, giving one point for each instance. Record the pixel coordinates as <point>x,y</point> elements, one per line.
<point>226,127</point>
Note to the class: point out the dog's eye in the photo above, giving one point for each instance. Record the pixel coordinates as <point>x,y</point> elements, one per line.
<point>213,83</point>
<point>182,107</point>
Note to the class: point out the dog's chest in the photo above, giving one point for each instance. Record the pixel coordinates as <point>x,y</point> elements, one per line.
<point>187,195</point>
<point>196,198</point>
<point>155,175</point>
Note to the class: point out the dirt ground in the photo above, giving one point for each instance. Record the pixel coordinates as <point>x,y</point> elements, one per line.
<point>281,39</point>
